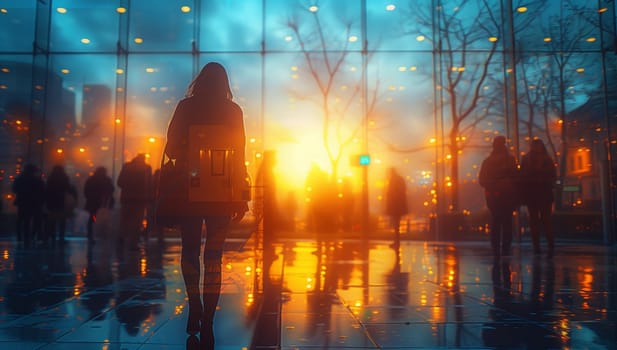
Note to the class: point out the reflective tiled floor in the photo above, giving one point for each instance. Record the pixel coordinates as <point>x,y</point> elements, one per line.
<point>339,294</point>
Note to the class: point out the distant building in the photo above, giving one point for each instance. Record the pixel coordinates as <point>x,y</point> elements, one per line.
<point>96,106</point>
<point>97,123</point>
<point>586,165</point>
<point>35,110</point>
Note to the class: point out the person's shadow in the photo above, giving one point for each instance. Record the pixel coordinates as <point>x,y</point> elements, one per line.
<point>97,281</point>
<point>398,288</point>
<point>504,328</point>
<point>520,322</point>
<point>141,288</point>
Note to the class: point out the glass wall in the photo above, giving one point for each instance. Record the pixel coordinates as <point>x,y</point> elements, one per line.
<point>421,86</point>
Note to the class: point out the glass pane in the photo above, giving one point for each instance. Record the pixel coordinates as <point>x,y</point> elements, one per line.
<point>401,124</point>
<point>301,126</point>
<point>554,26</point>
<point>231,25</point>
<point>15,79</point>
<point>81,110</point>
<point>84,26</point>
<point>530,24</point>
<point>15,101</point>
<point>161,25</point>
<point>396,83</point>
<point>471,25</point>
<point>290,24</point>
<point>400,27</point>
<point>295,127</point>
<point>155,85</point>
<point>538,88</point>
<point>578,27</point>
<point>17,25</point>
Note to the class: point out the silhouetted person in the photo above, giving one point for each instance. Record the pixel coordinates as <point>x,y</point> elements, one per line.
<point>291,208</point>
<point>135,182</point>
<point>346,206</point>
<point>501,331</point>
<point>523,320</point>
<point>208,103</point>
<point>498,175</point>
<point>397,288</point>
<point>396,203</point>
<point>60,200</point>
<point>98,190</point>
<point>29,189</point>
<point>322,199</point>
<point>152,226</point>
<point>538,175</point>
<point>265,199</point>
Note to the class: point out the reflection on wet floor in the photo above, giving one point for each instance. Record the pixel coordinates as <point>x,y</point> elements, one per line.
<point>307,294</point>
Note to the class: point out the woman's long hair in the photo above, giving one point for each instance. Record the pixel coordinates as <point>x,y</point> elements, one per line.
<point>538,154</point>
<point>538,148</point>
<point>211,81</point>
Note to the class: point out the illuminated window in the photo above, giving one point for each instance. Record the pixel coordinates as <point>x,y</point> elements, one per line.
<point>579,161</point>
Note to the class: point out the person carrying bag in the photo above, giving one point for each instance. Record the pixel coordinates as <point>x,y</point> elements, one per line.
<point>203,180</point>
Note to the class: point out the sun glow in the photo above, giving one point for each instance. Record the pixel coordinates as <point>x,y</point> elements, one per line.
<point>297,152</point>
<point>295,159</point>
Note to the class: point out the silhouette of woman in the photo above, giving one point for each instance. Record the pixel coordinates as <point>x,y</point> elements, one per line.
<point>98,190</point>
<point>58,191</point>
<point>396,203</point>
<point>208,101</point>
<point>29,189</point>
<point>538,175</point>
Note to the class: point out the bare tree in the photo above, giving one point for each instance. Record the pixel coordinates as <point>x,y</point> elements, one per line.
<point>326,56</point>
<point>600,16</point>
<point>554,79</point>
<point>464,38</point>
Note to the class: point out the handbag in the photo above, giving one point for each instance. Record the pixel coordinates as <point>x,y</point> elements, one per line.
<point>218,184</point>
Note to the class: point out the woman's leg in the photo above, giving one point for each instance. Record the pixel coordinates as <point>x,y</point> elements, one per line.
<point>216,231</point>
<point>191,248</point>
